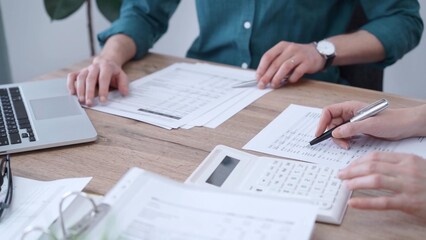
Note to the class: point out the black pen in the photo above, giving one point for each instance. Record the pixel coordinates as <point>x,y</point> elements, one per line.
<point>362,114</point>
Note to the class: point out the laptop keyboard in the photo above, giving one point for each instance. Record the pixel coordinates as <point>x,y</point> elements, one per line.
<point>319,183</point>
<point>14,123</point>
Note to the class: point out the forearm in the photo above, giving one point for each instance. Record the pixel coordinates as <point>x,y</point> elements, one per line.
<point>396,24</point>
<point>358,47</point>
<point>119,49</point>
<point>419,120</point>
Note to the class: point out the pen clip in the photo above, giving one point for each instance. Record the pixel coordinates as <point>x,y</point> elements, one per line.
<point>370,110</point>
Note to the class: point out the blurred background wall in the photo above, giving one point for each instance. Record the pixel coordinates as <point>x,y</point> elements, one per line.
<point>4,57</point>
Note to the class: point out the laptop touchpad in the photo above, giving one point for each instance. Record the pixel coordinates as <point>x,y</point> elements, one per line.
<point>55,107</point>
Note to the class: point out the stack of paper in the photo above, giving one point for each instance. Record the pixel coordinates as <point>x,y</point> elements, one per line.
<point>185,95</point>
<point>144,205</point>
<point>148,206</point>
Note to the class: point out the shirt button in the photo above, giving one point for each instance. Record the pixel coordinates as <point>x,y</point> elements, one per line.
<point>244,65</point>
<point>247,25</point>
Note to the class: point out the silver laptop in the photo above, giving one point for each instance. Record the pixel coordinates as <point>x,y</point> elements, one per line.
<point>41,114</point>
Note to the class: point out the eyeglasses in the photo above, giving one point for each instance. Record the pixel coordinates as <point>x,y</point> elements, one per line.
<point>5,172</point>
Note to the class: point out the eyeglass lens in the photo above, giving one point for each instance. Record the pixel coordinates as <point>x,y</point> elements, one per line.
<point>6,172</point>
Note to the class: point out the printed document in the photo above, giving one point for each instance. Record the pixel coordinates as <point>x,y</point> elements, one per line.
<point>148,206</point>
<point>35,203</point>
<point>289,134</point>
<point>185,95</point>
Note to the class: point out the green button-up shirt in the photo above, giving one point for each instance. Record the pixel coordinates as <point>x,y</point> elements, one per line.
<point>239,32</point>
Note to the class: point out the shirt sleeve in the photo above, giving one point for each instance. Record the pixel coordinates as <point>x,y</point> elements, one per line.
<point>144,21</point>
<point>396,24</point>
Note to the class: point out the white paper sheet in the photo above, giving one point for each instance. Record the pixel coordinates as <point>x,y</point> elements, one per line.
<point>147,206</point>
<point>183,94</point>
<point>35,203</point>
<point>289,134</point>
<point>238,105</point>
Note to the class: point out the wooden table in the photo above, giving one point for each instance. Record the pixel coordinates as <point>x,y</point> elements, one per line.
<point>123,143</point>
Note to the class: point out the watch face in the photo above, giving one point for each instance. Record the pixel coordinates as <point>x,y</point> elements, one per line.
<point>325,47</point>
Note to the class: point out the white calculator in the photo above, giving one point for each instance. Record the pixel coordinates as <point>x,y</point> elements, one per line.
<point>232,169</point>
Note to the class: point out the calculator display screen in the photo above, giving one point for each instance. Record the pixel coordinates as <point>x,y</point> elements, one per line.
<point>223,170</point>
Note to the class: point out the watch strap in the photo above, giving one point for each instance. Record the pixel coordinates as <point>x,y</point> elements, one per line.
<point>328,61</point>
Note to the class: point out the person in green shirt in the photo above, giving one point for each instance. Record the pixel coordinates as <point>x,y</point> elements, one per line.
<point>402,175</point>
<point>278,38</point>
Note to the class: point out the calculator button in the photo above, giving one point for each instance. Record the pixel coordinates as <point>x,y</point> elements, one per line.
<point>303,179</point>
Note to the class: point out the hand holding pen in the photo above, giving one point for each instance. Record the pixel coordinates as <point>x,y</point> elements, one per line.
<point>351,118</point>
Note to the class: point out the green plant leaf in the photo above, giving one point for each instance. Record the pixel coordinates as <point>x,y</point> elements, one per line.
<point>109,8</point>
<point>60,9</point>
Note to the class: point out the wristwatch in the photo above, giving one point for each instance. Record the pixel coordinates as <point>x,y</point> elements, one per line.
<point>327,50</point>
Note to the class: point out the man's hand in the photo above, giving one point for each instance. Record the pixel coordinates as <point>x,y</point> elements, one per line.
<point>104,72</point>
<point>101,73</point>
<point>288,60</point>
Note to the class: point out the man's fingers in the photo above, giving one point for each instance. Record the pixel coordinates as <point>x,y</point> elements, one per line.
<point>123,84</point>
<point>91,81</point>
<point>268,58</point>
<point>80,85</point>
<point>283,72</point>
<point>298,71</point>
<point>71,78</point>
<point>104,81</point>
<point>273,69</point>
